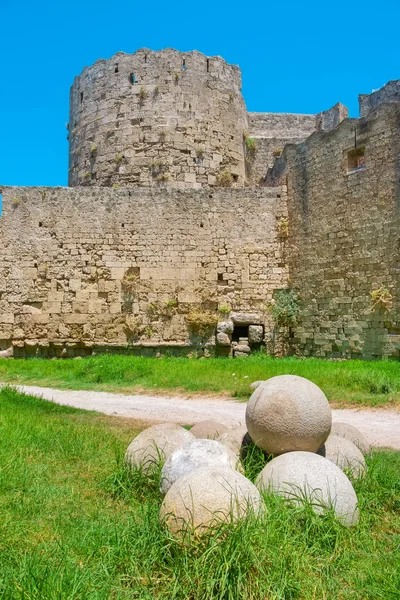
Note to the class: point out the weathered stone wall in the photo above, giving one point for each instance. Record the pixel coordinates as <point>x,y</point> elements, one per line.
<point>344,225</point>
<point>271,132</point>
<point>331,118</point>
<point>157,118</point>
<point>89,267</point>
<point>388,93</point>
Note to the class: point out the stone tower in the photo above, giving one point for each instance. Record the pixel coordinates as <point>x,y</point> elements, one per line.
<point>157,118</point>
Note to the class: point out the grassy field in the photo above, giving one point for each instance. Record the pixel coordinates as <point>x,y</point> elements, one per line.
<point>346,382</point>
<point>75,526</point>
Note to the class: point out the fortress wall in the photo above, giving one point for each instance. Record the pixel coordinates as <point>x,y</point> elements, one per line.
<point>271,132</point>
<point>331,118</point>
<point>86,267</point>
<point>388,93</point>
<point>157,118</point>
<point>344,236</point>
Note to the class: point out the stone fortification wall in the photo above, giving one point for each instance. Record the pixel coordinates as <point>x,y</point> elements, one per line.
<point>331,118</point>
<point>388,93</point>
<point>157,118</point>
<point>344,222</point>
<point>87,267</point>
<point>271,132</point>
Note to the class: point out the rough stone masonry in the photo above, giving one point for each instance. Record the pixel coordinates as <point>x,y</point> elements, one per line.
<point>186,216</point>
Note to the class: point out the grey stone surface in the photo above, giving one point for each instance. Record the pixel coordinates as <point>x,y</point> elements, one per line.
<point>343,453</point>
<point>288,413</point>
<point>246,318</point>
<point>390,92</point>
<point>208,429</point>
<point>205,497</point>
<point>7,353</point>
<point>225,327</point>
<point>353,434</point>
<point>234,439</point>
<point>195,454</point>
<point>243,348</point>
<point>223,339</point>
<point>256,334</point>
<point>255,384</point>
<point>155,444</point>
<point>305,475</point>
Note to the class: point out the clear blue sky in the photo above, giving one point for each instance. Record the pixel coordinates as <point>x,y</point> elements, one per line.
<point>295,57</point>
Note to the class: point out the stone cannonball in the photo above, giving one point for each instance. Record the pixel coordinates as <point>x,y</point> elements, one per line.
<point>234,439</point>
<point>208,430</point>
<point>301,476</point>
<point>254,385</point>
<point>353,434</point>
<point>194,454</point>
<point>345,455</point>
<point>206,496</point>
<point>288,413</point>
<point>155,444</point>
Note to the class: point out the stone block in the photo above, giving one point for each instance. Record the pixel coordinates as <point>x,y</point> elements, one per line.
<point>256,334</point>
<point>222,339</point>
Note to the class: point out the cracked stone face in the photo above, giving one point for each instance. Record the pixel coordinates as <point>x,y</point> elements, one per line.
<point>256,334</point>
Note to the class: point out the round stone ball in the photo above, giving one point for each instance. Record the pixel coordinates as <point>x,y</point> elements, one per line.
<point>288,413</point>
<point>235,439</point>
<point>255,384</point>
<point>208,430</point>
<point>194,454</point>
<point>305,476</point>
<point>207,496</point>
<point>155,444</point>
<point>353,434</point>
<point>343,453</point>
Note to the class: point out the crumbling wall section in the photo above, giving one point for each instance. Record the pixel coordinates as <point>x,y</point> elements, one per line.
<point>388,93</point>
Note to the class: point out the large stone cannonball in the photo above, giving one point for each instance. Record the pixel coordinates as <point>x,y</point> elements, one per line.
<point>155,444</point>
<point>208,430</point>
<point>194,454</point>
<point>345,455</point>
<point>353,434</point>
<point>203,498</point>
<point>301,476</point>
<point>288,413</point>
<point>235,439</point>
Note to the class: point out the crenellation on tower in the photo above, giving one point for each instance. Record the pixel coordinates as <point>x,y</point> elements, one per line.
<point>157,118</point>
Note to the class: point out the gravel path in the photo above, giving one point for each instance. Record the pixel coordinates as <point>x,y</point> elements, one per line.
<point>380,427</point>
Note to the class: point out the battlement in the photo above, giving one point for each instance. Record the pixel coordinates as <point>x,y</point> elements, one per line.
<point>388,93</point>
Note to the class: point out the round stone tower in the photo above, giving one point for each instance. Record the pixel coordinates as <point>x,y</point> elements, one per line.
<point>157,118</point>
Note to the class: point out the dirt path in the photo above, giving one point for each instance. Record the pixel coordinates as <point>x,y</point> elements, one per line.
<point>380,427</point>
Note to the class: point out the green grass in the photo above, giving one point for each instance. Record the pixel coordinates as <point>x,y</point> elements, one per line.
<point>76,526</point>
<point>370,383</point>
